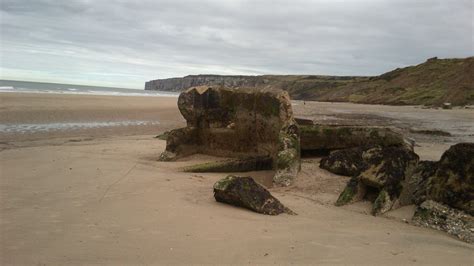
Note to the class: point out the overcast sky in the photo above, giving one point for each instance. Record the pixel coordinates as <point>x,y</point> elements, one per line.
<point>124,43</point>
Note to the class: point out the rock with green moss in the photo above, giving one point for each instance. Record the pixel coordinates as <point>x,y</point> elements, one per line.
<point>329,137</point>
<point>257,163</point>
<point>383,203</point>
<point>353,192</point>
<point>385,171</point>
<point>453,180</point>
<point>414,191</point>
<point>347,162</point>
<point>238,122</point>
<point>288,162</point>
<point>245,192</point>
<point>441,217</point>
<point>387,167</point>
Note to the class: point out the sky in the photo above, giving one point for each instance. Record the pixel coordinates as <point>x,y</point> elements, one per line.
<point>123,43</point>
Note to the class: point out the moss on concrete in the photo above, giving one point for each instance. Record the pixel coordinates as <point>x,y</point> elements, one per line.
<point>233,165</point>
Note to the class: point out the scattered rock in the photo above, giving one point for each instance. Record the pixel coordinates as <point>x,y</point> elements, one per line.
<point>238,122</point>
<point>447,106</point>
<point>233,165</point>
<point>453,182</point>
<point>435,215</point>
<point>245,192</point>
<point>382,176</point>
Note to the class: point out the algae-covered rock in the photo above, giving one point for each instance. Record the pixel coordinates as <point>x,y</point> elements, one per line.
<point>233,165</point>
<point>245,192</point>
<point>414,191</point>
<point>453,182</point>
<point>383,171</point>
<point>238,122</point>
<point>388,167</point>
<point>383,203</point>
<point>329,137</point>
<point>441,217</point>
<point>347,162</point>
<point>353,192</point>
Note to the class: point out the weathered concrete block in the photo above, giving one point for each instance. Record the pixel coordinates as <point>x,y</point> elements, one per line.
<point>328,137</point>
<point>238,122</point>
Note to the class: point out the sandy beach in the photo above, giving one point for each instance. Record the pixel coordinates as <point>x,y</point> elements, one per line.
<point>97,194</point>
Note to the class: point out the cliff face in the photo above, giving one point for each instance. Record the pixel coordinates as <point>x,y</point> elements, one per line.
<point>431,83</point>
<point>181,84</point>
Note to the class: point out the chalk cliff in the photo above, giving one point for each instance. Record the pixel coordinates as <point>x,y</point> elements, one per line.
<point>181,84</point>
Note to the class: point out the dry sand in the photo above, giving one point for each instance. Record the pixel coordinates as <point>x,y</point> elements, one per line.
<point>100,197</point>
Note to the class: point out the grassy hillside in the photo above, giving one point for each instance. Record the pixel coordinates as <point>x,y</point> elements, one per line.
<point>431,83</point>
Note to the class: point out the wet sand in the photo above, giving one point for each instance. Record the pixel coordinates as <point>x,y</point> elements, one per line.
<point>98,196</point>
<point>156,113</point>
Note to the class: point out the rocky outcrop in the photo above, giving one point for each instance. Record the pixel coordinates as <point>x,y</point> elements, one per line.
<point>451,180</point>
<point>238,122</point>
<point>437,216</point>
<point>397,177</point>
<point>245,192</point>
<point>181,84</point>
<point>379,175</point>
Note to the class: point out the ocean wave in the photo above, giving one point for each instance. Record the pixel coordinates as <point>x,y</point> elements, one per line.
<point>90,92</point>
<point>49,127</point>
<point>6,88</point>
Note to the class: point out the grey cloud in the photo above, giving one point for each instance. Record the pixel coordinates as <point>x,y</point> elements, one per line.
<point>124,43</point>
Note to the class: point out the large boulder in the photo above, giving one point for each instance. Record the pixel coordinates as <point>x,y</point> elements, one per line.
<point>434,215</point>
<point>379,174</point>
<point>238,122</point>
<point>451,180</point>
<point>245,192</point>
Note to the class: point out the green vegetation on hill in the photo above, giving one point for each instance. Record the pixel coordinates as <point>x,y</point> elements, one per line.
<point>433,82</point>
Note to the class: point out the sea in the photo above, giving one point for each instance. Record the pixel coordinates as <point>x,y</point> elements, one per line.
<point>57,88</point>
<point>9,86</point>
